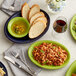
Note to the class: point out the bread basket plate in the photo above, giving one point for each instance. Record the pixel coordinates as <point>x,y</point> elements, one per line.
<point>25,39</point>
<point>30,50</point>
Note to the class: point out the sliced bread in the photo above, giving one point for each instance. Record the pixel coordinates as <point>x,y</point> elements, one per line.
<point>34,9</point>
<point>25,10</point>
<point>42,18</point>
<point>39,14</point>
<point>36,29</point>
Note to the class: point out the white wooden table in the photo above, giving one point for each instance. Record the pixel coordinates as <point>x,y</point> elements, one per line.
<point>65,38</point>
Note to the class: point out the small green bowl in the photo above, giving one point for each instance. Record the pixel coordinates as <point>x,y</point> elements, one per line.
<point>30,50</point>
<point>14,20</point>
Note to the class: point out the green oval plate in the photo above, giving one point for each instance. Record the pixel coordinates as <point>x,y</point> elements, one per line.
<point>46,66</point>
<point>71,27</point>
<point>72,69</point>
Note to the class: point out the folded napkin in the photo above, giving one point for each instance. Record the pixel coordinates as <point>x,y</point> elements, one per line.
<point>11,6</point>
<point>17,48</point>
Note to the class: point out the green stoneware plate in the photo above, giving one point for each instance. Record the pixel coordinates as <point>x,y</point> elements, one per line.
<point>14,21</point>
<point>72,69</point>
<point>46,66</point>
<point>71,27</point>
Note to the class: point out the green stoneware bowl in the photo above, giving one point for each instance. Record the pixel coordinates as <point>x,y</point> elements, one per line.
<point>15,20</point>
<point>72,69</point>
<point>71,27</point>
<point>46,66</point>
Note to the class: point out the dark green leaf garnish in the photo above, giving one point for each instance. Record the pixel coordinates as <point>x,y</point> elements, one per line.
<point>16,30</point>
<point>42,51</point>
<point>45,61</point>
<point>58,52</point>
<point>53,47</point>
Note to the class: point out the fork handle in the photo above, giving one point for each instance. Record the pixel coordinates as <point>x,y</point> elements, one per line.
<point>27,72</point>
<point>28,67</point>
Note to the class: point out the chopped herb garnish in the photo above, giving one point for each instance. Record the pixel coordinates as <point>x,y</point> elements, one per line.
<point>45,61</point>
<point>58,52</point>
<point>53,47</point>
<point>16,30</point>
<point>35,48</point>
<point>42,51</point>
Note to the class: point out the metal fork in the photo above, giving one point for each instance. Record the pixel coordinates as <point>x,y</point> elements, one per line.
<point>17,56</point>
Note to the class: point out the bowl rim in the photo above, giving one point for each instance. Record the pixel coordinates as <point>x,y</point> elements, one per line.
<point>46,66</point>
<point>71,31</point>
<point>15,19</point>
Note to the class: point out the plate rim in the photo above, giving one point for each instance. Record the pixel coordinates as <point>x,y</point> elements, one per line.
<point>72,26</point>
<point>4,68</point>
<point>73,63</point>
<point>47,67</point>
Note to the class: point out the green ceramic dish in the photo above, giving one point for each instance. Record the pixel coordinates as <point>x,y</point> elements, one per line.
<point>46,66</point>
<point>18,21</point>
<point>72,69</point>
<point>71,27</point>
